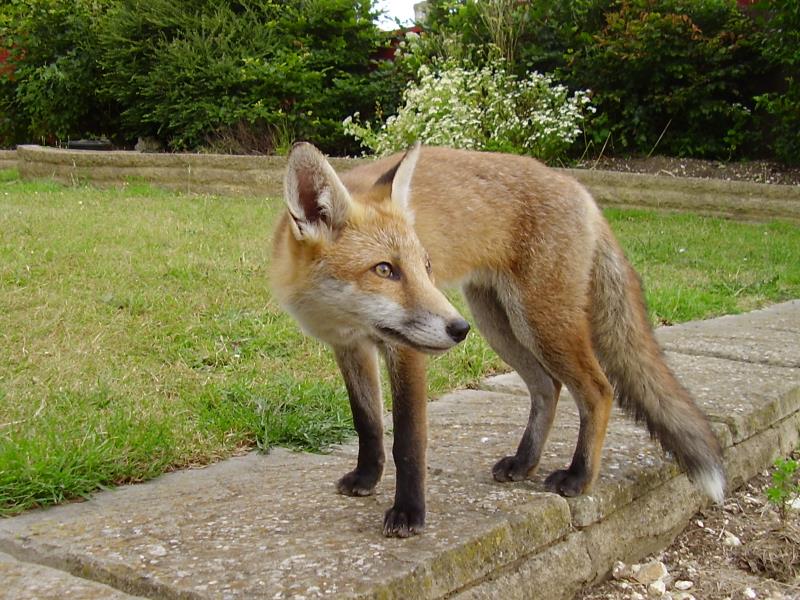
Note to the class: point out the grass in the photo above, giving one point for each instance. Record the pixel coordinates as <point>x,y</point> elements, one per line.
<point>695,267</point>
<point>138,335</point>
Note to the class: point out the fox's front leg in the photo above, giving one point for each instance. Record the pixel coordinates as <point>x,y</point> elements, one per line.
<point>359,366</point>
<point>409,411</point>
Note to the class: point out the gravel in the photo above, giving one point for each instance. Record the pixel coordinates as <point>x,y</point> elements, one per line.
<point>740,550</point>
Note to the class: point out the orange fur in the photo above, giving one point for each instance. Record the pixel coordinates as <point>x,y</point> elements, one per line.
<point>546,281</point>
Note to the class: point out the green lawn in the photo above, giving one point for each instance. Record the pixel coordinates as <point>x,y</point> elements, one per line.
<point>137,332</point>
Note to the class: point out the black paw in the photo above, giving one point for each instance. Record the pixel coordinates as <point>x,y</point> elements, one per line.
<point>567,483</point>
<point>510,469</point>
<point>403,523</point>
<point>357,484</point>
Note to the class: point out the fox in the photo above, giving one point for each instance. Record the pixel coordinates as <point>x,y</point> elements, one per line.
<point>358,260</point>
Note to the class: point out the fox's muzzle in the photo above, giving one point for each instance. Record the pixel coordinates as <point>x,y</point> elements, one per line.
<point>432,335</point>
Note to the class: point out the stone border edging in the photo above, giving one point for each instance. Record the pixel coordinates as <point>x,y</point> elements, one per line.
<point>8,159</point>
<point>263,176</point>
<point>716,197</point>
<point>227,175</point>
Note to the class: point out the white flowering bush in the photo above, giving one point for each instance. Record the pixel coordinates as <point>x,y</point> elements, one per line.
<point>482,109</point>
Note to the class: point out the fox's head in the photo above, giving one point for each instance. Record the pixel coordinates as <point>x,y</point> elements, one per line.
<point>351,267</point>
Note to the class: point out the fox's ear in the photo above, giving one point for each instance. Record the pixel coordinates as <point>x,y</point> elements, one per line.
<point>399,177</point>
<point>401,184</point>
<point>318,202</point>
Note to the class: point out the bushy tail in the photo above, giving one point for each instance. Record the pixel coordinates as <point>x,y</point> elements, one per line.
<point>643,384</point>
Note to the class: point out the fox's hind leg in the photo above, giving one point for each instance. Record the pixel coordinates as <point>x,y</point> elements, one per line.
<point>552,321</point>
<point>493,322</point>
<point>359,366</point>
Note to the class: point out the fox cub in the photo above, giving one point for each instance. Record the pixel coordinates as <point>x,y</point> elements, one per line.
<point>356,259</point>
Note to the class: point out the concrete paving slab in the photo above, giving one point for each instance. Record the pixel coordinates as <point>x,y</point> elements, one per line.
<point>273,527</point>
<point>643,526</point>
<point>745,396</point>
<point>462,443</point>
<point>749,458</point>
<point>210,532</point>
<point>634,530</point>
<point>506,383</point>
<point>768,336</point>
<point>471,430</point>
<point>27,581</point>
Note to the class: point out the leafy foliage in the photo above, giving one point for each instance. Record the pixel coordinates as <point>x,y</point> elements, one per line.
<point>678,76</point>
<point>184,69</point>
<point>188,72</point>
<point>48,83</point>
<point>480,108</point>
<point>547,32</point>
<point>785,487</point>
<point>702,78</point>
<point>672,73</point>
<point>780,43</point>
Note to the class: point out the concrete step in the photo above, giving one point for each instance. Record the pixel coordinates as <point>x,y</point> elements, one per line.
<point>272,526</point>
<point>29,581</point>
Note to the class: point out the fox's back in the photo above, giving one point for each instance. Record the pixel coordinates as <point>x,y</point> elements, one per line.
<point>478,211</point>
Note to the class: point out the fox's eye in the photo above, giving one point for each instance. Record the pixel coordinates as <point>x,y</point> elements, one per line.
<point>428,265</point>
<point>384,270</point>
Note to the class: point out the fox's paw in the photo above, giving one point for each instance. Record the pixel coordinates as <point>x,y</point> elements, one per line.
<point>357,484</point>
<point>567,483</point>
<point>511,468</point>
<point>403,523</point>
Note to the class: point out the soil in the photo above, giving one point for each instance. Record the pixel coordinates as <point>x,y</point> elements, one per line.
<point>742,550</point>
<point>756,171</point>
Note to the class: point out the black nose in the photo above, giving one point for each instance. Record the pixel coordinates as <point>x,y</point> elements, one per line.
<point>457,329</point>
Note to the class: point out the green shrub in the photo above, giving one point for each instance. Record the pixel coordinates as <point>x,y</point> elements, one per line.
<point>780,43</point>
<point>242,74</point>
<point>480,108</point>
<point>184,70</point>
<point>676,74</point>
<point>682,77</point>
<point>546,32</point>
<point>48,91</point>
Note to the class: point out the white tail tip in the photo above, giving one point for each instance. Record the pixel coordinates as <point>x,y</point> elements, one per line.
<point>713,484</point>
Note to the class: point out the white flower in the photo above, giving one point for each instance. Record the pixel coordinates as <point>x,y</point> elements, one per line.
<point>465,107</point>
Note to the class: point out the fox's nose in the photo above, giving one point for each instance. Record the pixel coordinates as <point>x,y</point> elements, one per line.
<point>457,329</point>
